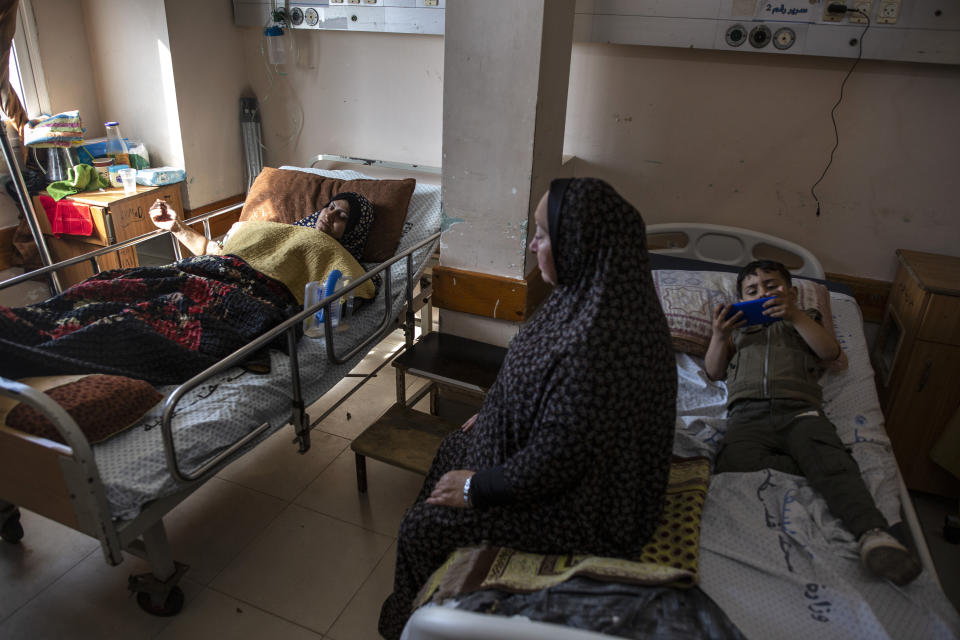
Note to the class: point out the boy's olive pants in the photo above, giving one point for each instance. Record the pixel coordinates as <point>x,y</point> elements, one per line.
<point>794,437</point>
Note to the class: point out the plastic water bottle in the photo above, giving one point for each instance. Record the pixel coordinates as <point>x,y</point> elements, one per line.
<point>116,147</point>
<point>313,293</point>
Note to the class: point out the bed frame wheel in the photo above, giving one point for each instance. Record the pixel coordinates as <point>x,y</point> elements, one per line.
<point>170,607</point>
<point>159,597</point>
<point>11,531</point>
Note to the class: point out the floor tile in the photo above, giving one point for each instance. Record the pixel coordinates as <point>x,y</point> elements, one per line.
<point>19,295</point>
<point>47,551</point>
<point>359,620</point>
<point>90,602</point>
<point>390,492</point>
<point>363,407</point>
<point>305,567</point>
<point>215,615</point>
<point>211,527</point>
<point>275,467</point>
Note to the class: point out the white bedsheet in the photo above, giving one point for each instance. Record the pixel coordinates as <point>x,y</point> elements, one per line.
<point>771,554</point>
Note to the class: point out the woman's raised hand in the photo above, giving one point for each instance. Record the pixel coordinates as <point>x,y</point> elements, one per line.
<point>466,426</point>
<point>449,489</point>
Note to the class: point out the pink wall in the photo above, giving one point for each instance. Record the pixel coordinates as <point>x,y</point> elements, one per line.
<point>739,138</point>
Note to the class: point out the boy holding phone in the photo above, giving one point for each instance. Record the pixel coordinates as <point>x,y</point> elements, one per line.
<point>775,415</point>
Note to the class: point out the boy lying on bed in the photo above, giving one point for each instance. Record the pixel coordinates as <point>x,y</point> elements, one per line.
<point>166,324</point>
<point>775,415</point>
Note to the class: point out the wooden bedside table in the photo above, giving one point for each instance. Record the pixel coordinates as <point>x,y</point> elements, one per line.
<point>116,217</point>
<point>917,360</point>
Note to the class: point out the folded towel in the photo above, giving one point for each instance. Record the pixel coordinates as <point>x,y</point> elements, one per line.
<point>60,130</point>
<point>67,217</point>
<point>81,177</point>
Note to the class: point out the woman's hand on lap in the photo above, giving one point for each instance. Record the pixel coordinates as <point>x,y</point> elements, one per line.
<point>449,489</point>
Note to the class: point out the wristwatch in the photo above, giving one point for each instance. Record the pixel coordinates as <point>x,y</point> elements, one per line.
<point>466,492</point>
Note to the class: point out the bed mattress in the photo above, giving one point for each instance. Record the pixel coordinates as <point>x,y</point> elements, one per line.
<point>208,419</point>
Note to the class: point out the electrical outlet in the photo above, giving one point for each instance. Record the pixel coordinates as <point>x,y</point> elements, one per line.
<point>889,12</point>
<point>353,1</point>
<point>865,7</point>
<point>431,3</point>
<point>833,17</point>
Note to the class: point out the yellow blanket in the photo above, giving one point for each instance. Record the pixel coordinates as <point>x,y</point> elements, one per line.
<point>293,255</point>
<point>670,557</point>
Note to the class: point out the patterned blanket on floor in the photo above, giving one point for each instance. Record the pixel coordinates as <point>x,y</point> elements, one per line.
<point>669,558</point>
<point>160,324</point>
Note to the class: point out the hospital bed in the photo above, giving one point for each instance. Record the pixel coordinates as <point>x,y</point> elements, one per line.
<point>771,556</point>
<point>119,490</point>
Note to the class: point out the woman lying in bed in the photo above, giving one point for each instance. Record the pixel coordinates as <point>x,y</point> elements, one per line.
<point>166,324</point>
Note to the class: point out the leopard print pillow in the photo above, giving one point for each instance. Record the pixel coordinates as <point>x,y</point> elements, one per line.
<point>102,405</point>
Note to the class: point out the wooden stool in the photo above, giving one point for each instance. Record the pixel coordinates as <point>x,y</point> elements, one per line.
<point>409,439</point>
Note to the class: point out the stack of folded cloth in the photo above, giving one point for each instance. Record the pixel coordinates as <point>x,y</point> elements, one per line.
<point>61,130</point>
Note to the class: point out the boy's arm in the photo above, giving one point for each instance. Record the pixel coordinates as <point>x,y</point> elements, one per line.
<point>720,349</point>
<point>817,337</point>
<point>820,341</point>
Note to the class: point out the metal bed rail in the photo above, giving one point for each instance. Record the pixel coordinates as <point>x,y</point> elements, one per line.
<point>289,326</point>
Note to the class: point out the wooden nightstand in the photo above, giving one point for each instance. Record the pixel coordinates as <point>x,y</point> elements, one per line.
<point>917,361</point>
<point>116,217</point>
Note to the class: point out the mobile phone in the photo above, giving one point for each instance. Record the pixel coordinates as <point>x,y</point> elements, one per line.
<point>753,311</point>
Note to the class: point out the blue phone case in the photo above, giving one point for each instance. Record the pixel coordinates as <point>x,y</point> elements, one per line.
<point>753,311</point>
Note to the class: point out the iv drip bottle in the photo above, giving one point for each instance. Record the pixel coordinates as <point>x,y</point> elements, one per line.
<point>116,147</point>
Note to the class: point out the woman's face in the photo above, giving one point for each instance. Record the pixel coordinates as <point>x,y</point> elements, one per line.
<point>333,218</point>
<point>540,245</point>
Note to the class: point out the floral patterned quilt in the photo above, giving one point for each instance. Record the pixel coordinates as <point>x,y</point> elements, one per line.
<point>160,324</point>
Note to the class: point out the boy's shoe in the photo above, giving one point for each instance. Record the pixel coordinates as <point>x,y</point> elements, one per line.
<point>883,555</point>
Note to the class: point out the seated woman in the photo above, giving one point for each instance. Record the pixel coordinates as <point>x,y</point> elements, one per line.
<point>571,449</point>
<point>166,324</point>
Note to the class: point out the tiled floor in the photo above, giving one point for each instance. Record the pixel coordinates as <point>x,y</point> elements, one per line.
<point>280,545</point>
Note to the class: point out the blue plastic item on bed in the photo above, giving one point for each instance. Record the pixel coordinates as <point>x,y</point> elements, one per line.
<point>313,325</point>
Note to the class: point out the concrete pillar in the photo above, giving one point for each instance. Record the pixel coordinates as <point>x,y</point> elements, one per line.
<point>506,72</point>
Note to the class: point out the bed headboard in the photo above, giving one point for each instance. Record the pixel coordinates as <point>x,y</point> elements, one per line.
<point>730,245</point>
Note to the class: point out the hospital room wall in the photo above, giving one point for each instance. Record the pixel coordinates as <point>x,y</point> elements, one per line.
<point>739,139</point>
<point>130,58</point>
<point>369,95</point>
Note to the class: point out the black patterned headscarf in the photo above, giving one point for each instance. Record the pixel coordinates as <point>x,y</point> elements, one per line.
<point>359,222</point>
<point>579,424</point>
<point>358,225</point>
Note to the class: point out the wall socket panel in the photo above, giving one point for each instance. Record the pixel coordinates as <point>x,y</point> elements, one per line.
<point>864,6</point>
<point>889,12</point>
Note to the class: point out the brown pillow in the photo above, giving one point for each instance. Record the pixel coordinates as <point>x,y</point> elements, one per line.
<point>102,405</point>
<point>284,195</point>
